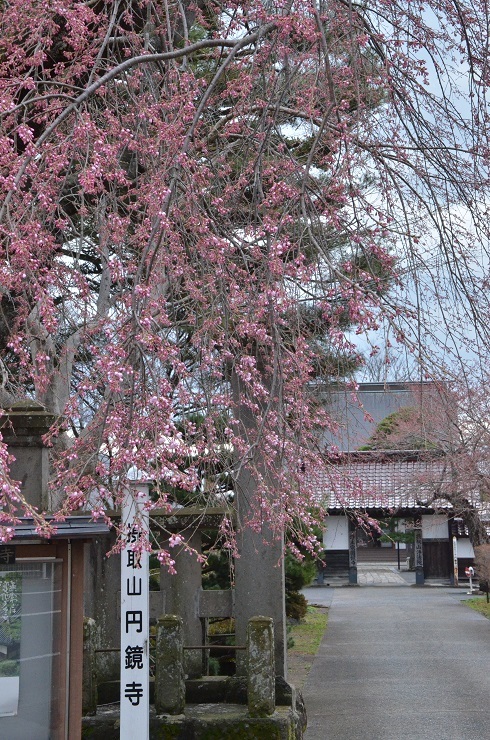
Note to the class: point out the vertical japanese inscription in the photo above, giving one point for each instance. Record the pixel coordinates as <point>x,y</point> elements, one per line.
<point>135,708</point>
<point>418,545</point>
<point>352,547</point>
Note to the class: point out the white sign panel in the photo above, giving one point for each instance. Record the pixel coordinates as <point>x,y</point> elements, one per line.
<point>135,627</point>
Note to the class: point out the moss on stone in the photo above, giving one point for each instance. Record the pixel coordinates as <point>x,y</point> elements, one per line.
<point>204,722</point>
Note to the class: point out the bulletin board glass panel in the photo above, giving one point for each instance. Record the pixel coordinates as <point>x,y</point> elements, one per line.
<point>30,600</point>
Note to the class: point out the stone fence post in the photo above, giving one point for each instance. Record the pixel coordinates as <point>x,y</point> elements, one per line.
<point>169,666</point>
<point>89,680</point>
<point>261,667</point>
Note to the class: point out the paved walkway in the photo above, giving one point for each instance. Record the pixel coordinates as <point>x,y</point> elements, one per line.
<point>399,664</point>
<point>383,575</point>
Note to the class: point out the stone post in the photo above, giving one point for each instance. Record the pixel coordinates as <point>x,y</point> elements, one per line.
<point>23,427</point>
<point>419,553</point>
<point>182,598</point>
<point>261,669</point>
<point>169,666</point>
<point>89,677</point>
<point>259,576</point>
<point>102,596</point>
<point>259,567</point>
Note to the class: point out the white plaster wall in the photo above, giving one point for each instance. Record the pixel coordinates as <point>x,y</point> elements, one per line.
<point>336,535</point>
<point>434,527</point>
<point>465,549</point>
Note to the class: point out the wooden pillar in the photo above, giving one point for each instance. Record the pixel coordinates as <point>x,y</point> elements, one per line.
<point>70,678</point>
<point>419,552</point>
<point>352,554</point>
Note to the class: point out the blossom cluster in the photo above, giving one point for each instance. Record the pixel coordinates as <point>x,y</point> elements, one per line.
<point>198,204</point>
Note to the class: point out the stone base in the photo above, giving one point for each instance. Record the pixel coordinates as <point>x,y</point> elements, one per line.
<point>203,722</point>
<point>212,690</point>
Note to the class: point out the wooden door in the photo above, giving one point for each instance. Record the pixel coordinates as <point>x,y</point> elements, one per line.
<point>437,559</point>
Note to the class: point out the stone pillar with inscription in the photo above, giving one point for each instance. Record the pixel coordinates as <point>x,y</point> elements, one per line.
<point>419,552</point>
<point>352,554</point>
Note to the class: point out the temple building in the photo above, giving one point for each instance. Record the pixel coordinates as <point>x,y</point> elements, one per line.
<point>380,502</point>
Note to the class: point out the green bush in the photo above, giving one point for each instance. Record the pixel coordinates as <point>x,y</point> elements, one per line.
<point>9,668</point>
<point>296,606</point>
<point>221,627</point>
<point>299,573</point>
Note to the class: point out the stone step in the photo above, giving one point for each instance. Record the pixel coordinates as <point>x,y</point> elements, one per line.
<point>379,555</point>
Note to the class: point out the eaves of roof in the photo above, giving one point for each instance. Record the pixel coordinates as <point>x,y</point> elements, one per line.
<point>385,480</point>
<point>76,527</point>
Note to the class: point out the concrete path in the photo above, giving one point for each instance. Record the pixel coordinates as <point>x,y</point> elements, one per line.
<point>399,663</point>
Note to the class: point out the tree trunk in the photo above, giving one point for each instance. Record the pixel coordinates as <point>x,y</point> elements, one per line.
<point>476,528</point>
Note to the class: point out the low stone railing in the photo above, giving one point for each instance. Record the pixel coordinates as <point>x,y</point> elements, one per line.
<point>169,672</point>
<point>170,685</point>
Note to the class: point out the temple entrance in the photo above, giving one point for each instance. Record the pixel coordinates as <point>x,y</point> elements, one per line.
<point>389,552</point>
<point>396,545</point>
<point>370,548</point>
<point>374,546</point>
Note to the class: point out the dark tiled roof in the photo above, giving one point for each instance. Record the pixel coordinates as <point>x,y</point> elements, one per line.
<point>385,480</point>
